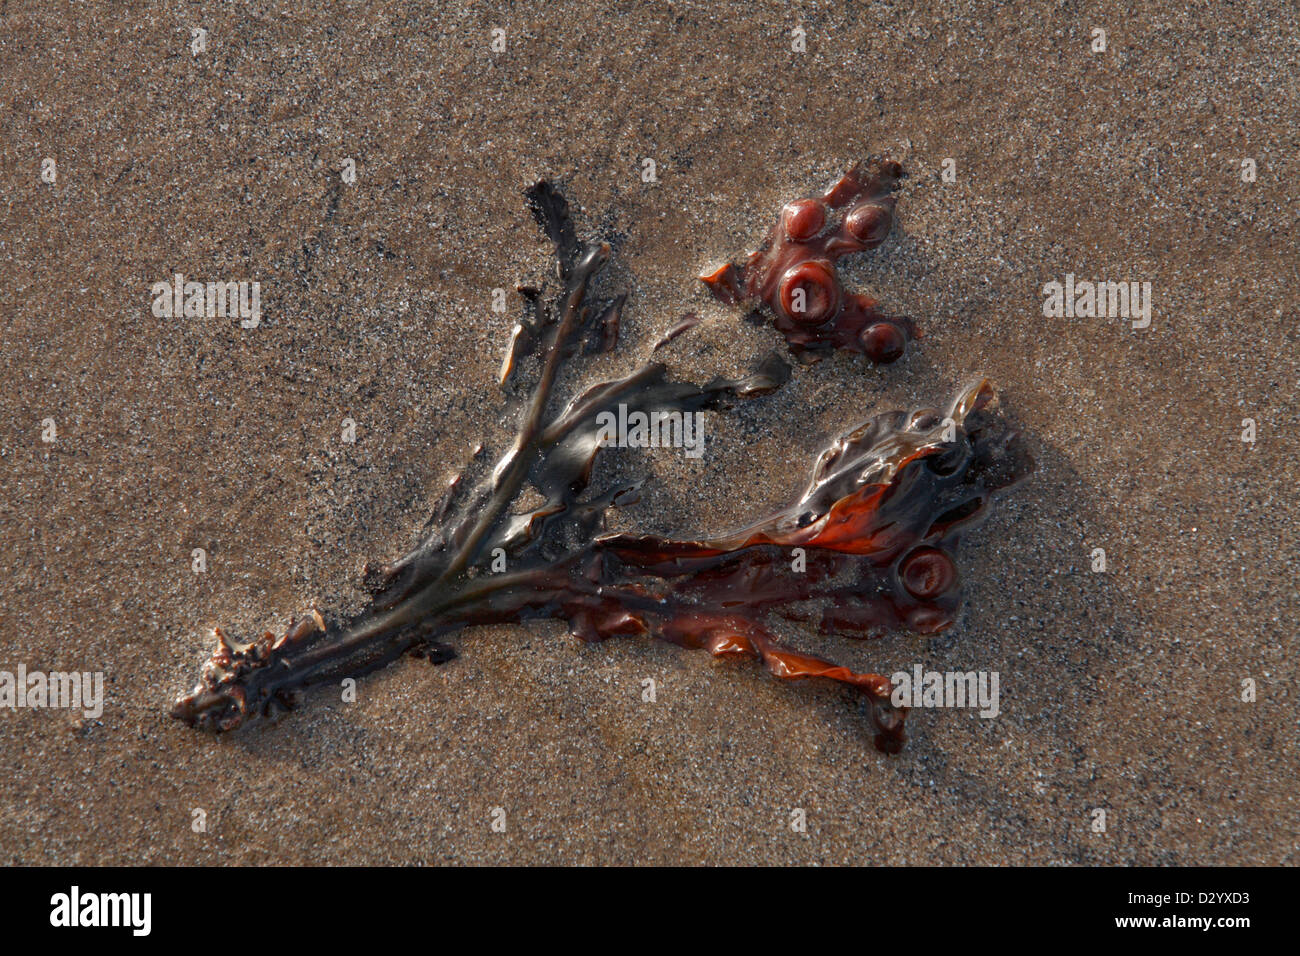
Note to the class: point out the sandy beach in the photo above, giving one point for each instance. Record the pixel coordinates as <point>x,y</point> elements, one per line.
<point>224,160</point>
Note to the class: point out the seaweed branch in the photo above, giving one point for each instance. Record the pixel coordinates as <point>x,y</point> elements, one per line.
<point>867,548</point>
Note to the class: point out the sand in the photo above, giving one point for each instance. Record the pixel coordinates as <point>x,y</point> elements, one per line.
<point>1120,690</point>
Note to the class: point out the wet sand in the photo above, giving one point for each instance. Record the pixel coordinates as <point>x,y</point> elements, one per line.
<point>1119,690</point>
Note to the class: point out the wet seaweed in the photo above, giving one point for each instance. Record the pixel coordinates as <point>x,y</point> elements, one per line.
<point>792,277</point>
<point>867,548</point>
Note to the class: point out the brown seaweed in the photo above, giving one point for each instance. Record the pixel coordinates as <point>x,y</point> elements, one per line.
<point>869,546</point>
<point>792,273</point>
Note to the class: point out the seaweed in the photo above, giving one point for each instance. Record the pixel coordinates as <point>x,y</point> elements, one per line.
<point>867,548</point>
<point>792,273</point>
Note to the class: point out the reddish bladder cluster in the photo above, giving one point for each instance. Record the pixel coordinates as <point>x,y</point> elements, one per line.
<point>793,273</point>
